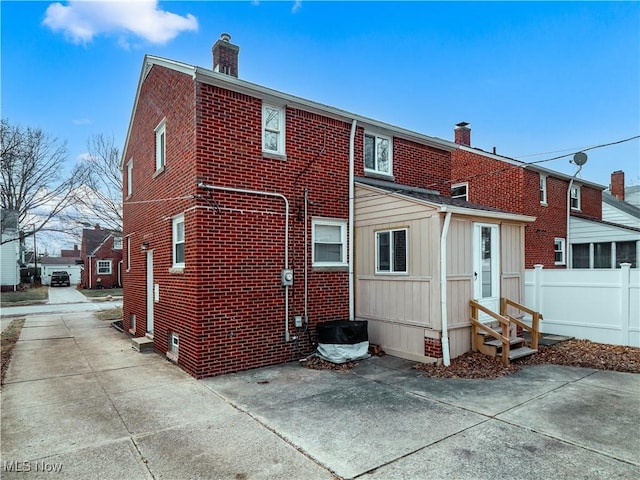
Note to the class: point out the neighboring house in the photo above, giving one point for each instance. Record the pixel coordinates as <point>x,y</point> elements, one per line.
<point>101,253</point>
<point>528,189</point>
<point>617,205</point>
<point>239,221</point>
<point>9,251</point>
<point>75,253</point>
<point>72,265</point>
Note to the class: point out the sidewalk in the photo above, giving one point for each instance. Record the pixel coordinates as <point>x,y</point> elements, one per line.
<point>79,399</point>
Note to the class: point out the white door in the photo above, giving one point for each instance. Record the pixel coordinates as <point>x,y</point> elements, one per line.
<point>486,268</point>
<point>150,292</point>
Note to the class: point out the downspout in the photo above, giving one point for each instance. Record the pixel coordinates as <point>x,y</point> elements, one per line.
<point>306,257</point>
<point>352,138</point>
<point>286,238</point>
<point>89,258</point>
<point>443,290</point>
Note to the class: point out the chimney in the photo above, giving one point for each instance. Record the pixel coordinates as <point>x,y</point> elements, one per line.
<point>225,56</point>
<point>462,134</point>
<point>617,184</point>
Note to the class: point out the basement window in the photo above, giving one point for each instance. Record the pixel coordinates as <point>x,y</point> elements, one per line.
<point>377,154</point>
<point>391,251</point>
<point>172,350</point>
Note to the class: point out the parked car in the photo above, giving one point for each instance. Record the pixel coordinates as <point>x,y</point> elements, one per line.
<point>60,278</point>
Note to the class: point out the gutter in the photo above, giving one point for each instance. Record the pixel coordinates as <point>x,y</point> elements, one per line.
<point>352,138</point>
<point>446,356</point>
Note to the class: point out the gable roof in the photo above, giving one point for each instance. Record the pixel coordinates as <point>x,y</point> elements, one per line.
<point>210,77</point>
<point>93,238</point>
<point>621,205</point>
<point>443,202</point>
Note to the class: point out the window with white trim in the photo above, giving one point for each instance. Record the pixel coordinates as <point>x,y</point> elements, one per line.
<point>130,178</point>
<point>391,251</point>
<point>128,253</point>
<point>161,144</point>
<point>178,241</point>
<point>103,267</point>
<point>174,342</point>
<point>378,154</point>
<point>575,197</point>
<point>543,189</point>
<point>273,129</point>
<point>329,239</point>
<point>460,190</point>
<point>117,243</point>
<point>559,251</point>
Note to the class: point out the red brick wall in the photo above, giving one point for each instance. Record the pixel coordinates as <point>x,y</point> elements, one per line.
<point>90,273</point>
<point>433,347</point>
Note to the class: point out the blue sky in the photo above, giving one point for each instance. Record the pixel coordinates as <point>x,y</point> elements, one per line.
<point>544,78</point>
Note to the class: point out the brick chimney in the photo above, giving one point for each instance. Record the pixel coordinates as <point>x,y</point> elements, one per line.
<point>462,134</point>
<point>225,56</point>
<point>617,184</point>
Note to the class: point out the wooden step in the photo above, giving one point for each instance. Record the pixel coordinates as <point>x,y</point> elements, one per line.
<point>494,342</point>
<point>521,352</point>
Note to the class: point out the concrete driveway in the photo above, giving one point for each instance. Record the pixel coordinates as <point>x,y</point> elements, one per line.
<point>78,399</point>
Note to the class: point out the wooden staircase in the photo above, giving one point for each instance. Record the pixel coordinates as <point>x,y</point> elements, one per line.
<point>499,337</point>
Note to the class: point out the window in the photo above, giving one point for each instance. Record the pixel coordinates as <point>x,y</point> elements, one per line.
<point>459,190</point>
<point>161,144</point>
<point>602,255</point>
<point>273,129</point>
<point>377,154</point>
<point>626,253</point>
<point>132,323</point>
<point>575,198</point>
<point>128,253</point>
<point>581,255</point>
<point>117,243</point>
<point>130,178</point>
<point>559,251</point>
<point>329,238</point>
<point>391,251</point>
<point>543,189</point>
<point>178,241</point>
<point>104,267</point>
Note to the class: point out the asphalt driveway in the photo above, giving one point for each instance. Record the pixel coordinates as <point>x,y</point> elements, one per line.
<point>79,399</point>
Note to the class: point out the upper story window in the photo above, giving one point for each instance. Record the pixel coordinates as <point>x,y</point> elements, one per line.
<point>543,189</point>
<point>559,251</point>
<point>273,129</point>
<point>178,241</point>
<point>117,243</point>
<point>329,238</point>
<point>460,190</point>
<point>391,251</point>
<point>130,178</point>
<point>161,144</point>
<point>575,198</point>
<point>377,154</point>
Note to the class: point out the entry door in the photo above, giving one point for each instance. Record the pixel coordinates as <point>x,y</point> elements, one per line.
<point>150,292</point>
<point>486,268</point>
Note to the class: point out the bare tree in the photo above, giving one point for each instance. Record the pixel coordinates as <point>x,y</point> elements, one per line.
<point>31,168</point>
<point>99,198</point>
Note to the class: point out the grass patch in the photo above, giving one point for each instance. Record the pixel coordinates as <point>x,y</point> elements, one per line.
<point>27,295</point>
<point>111,314</point>
<point>105,292</point>
<point>9,338</point>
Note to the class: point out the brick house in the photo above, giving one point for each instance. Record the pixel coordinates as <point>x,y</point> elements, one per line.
<point>512,185</point>
<point>101,253</point>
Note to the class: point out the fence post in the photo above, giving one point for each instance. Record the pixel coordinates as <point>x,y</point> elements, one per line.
<point>625,313</point>
<point>537,287</point>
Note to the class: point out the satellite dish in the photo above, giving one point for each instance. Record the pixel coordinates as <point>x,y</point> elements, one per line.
<point>580,158</point>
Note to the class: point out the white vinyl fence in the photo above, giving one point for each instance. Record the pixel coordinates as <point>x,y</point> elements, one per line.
<point>601,305</point>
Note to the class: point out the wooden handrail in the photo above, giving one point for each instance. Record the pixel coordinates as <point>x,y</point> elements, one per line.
<point>534,329</point>
<point>477,324</point>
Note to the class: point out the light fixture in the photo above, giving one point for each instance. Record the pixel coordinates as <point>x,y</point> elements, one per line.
<point>144,246</point>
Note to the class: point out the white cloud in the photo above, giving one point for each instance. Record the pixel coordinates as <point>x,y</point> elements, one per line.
<point>82,20</point>
<point>297,5</point>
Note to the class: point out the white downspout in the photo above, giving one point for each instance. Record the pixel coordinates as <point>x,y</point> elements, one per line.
<point>89,257</point>
<point>443,290</point>
<point>286,238</point>
<point>306,257</point>
<point>352,138</point>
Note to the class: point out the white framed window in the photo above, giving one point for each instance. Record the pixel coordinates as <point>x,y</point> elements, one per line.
<point>128,253</point>
<point>559,250</point>
<point>178,241</point>
<point>575,197</point>
<point>329,238</point>
<point>117,243</point>
<point>174,343</point>
<point>273,135</point>
<point>161,144</point>
<point>132,322</point>
<point>378,154</point>
<point>460,190</point>
<point>391,251</point>
<point>543,189</point>
<point>130,178</point>
<point>103,267</point>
